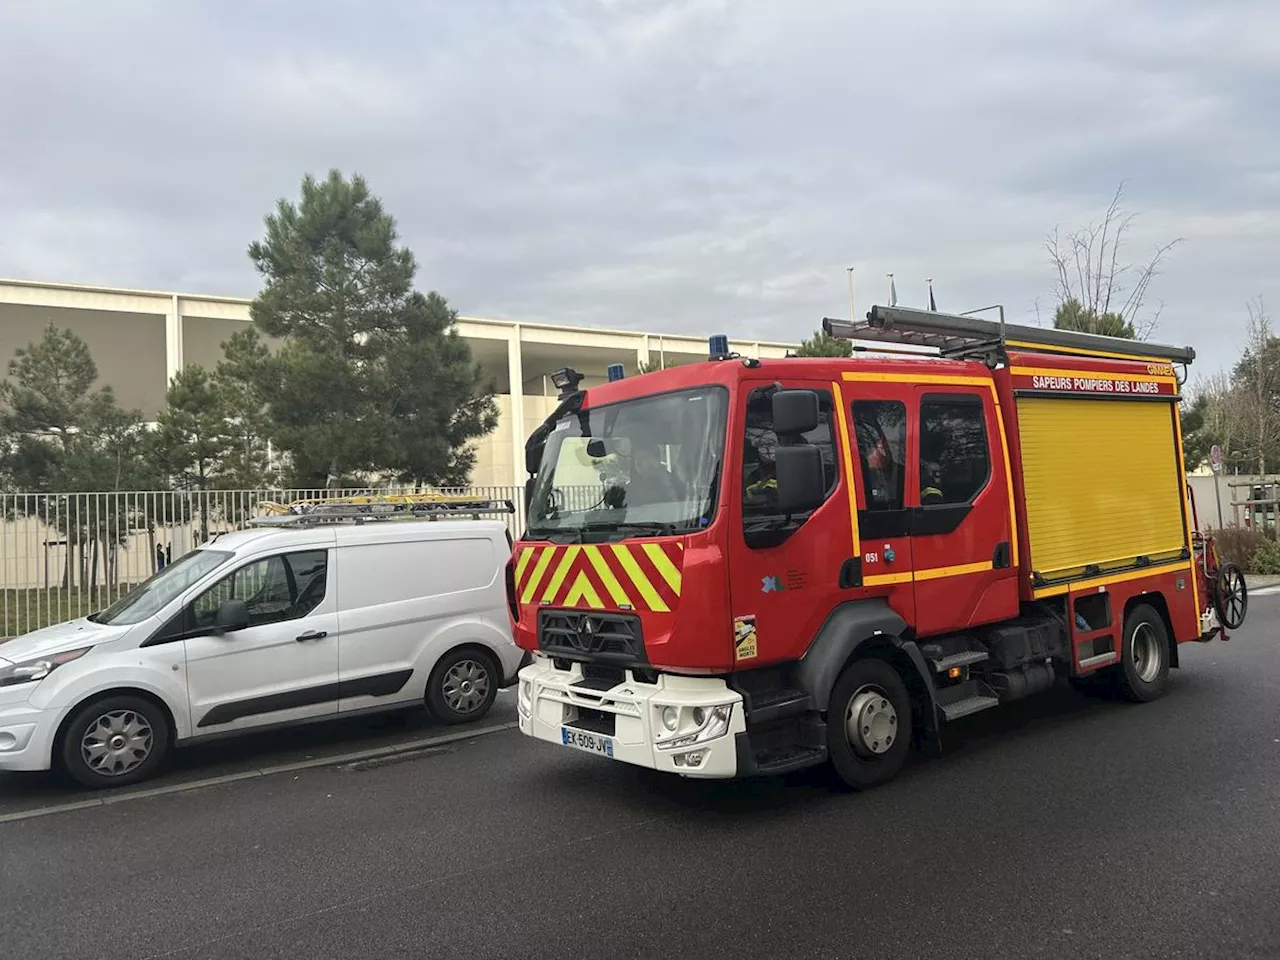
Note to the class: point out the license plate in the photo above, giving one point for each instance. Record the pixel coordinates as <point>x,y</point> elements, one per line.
<point>590,742</point>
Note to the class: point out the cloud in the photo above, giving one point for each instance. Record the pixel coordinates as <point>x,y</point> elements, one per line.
<point>676,165</point>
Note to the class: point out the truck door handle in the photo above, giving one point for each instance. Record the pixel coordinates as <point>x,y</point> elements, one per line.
<point>311,635</point>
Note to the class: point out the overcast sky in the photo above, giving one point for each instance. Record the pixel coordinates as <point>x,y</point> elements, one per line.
<point>670,165</point>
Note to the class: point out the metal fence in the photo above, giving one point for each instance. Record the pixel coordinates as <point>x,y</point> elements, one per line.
<point>66,555</point>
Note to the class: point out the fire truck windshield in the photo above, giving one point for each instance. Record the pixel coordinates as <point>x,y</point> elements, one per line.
<point>636,468</point>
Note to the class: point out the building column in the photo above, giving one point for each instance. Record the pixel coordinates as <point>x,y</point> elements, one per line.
<point>642,354</point>
<point>173,339</point>
<point>515,374</point>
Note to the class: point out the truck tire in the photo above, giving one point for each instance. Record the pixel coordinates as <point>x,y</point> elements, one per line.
<point>1142,675</point>
<point>868,724</point>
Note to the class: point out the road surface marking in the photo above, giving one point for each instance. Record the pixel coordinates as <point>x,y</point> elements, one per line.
<point>334,761</point>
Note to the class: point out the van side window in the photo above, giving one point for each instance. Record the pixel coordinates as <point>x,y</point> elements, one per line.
<point>759,467</point>
<point>284,587</point>
<point>955,463</point>
<point>880,429</point>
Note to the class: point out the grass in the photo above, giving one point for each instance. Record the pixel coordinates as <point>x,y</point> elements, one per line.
<point>22,611</point>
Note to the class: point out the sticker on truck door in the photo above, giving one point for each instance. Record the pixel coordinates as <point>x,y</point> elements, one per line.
<point>744,638</point>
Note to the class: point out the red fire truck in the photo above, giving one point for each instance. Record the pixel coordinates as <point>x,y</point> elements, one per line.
<point>745,566</point>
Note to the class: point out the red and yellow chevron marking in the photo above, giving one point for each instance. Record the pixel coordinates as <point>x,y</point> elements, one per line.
<point>639,575</point>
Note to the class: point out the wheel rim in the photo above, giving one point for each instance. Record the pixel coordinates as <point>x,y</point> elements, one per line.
<point>117,742</point>
<point>1145,650</point>
<point>466,686</point>
<point>870,722</point>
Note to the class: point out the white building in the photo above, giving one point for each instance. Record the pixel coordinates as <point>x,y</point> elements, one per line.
<point>141,338</point>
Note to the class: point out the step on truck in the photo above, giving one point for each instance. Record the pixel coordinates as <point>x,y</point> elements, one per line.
<point>743,566</point>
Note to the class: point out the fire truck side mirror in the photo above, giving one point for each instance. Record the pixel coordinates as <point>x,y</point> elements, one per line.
<point>794,412</point>
<point>802,485</point>
<point>533,452</point>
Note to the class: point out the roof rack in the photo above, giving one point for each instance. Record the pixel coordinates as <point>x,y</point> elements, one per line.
<point>959,336</point>
<point>365,507</point>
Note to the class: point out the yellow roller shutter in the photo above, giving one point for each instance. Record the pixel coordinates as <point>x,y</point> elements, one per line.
<point>1101,479</point>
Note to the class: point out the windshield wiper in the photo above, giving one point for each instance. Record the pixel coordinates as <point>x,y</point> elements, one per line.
<point>556,534</point>
<point>660,528</point>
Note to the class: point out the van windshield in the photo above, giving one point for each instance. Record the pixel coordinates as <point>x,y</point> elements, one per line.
<point>155,593</point>
<point>641,467</point>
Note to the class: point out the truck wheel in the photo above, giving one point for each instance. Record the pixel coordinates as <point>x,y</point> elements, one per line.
<point>1143,671</point>
<point>115,741</point>
<point>868,724</point>
<point>462,686</point>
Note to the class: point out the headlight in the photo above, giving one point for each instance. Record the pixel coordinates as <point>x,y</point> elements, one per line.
<point>31,671</point>
<point>714,723</point>
<point>670,718</point>
<point>524,698</point>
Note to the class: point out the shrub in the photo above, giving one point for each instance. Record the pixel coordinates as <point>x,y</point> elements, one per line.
<point>1265,558</point>
<point>1239,545</point>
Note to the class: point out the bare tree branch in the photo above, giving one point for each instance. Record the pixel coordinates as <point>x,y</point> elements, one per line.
<point>1091,269</point>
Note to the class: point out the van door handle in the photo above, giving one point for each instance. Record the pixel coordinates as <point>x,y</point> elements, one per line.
<point>312,635</point>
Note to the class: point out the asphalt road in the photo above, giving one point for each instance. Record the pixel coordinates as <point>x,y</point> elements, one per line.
<point>1064,827</point>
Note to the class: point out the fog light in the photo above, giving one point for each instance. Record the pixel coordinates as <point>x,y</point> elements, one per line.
<point>670,718</point>
<point>694,759</point>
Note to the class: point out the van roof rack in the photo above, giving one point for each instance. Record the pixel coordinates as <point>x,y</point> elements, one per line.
<point>365,507</point>
<point>967,337</point>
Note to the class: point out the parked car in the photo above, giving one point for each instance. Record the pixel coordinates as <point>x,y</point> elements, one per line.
<point>263,628</point>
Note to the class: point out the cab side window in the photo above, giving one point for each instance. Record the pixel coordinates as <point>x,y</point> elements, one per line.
<point>880,429</point>
<point>275,589</point>
<point>955,462</point>
<point>759,459</point>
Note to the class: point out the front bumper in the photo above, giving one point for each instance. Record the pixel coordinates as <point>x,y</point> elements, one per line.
<point>26,737</point>
<point>630,715</point>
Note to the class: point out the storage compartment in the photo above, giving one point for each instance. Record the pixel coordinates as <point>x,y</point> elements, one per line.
<point>1092,612</point>
<point>1101,482</point>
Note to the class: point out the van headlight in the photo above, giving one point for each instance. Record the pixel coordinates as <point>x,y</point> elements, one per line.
<point>33,671</point>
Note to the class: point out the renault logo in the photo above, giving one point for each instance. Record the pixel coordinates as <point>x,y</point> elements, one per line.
<point>584,637</point>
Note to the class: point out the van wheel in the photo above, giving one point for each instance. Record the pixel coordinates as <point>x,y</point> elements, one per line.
<point>868,724</point>
<point>462,686</point>
<point>115,741</point>
<point>1142,674</point>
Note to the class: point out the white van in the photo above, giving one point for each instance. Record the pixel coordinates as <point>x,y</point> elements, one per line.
<point>262,628</point>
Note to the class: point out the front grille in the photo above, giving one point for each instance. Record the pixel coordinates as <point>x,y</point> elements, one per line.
<point>591,636</point>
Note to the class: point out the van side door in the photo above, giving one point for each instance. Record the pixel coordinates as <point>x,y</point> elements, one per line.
<point>282,666</point>
<point>406,602</point>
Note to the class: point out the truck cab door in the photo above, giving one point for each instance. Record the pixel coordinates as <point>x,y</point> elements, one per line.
<point>961,527</point>
<point>880,417</point>
<point>785,569</point>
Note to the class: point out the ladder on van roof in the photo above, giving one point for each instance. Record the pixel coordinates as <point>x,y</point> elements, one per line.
<point>360,508</point>
<point>967,337</point>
